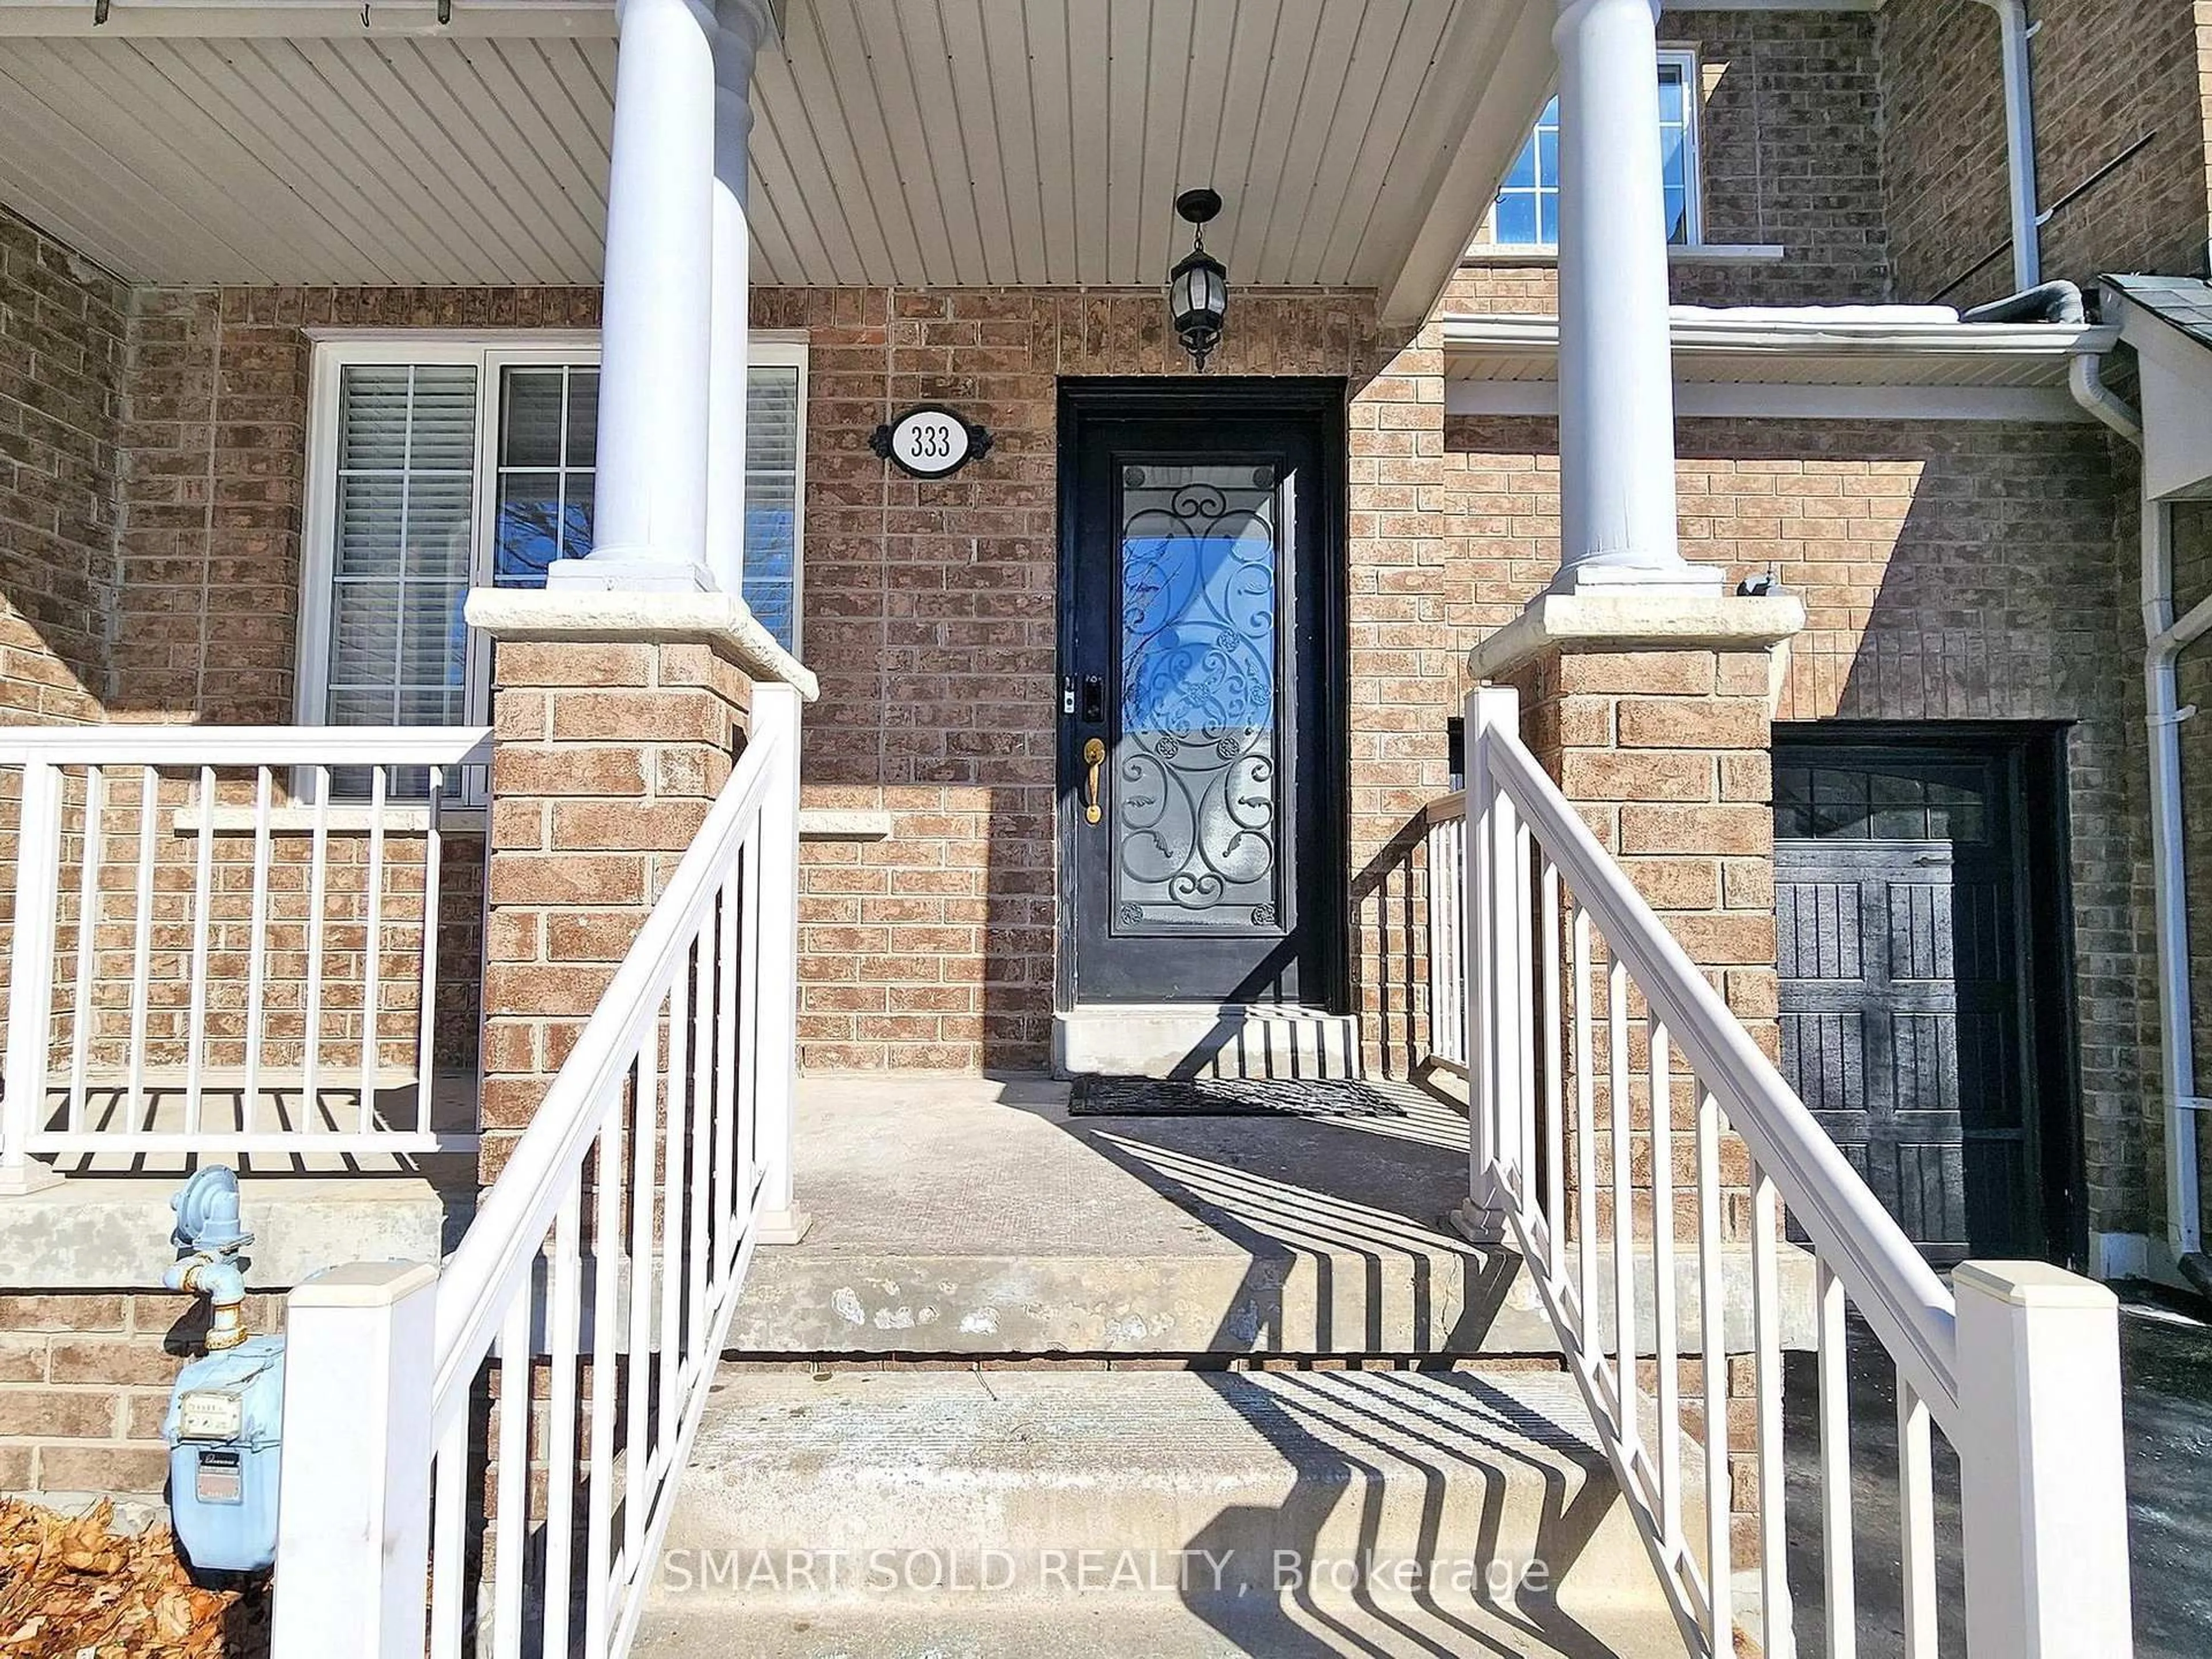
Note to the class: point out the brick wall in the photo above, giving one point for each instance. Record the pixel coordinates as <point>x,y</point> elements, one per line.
<point>2108,73</point>
<point>62,329</point>
<point>84,1381</point>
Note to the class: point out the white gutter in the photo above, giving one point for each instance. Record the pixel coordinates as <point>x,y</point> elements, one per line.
<point>2020,142</point>
<point>1771,329</point>
<point>2165,639</point>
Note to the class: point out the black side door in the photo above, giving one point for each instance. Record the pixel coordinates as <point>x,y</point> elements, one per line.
<point>1909,998</point>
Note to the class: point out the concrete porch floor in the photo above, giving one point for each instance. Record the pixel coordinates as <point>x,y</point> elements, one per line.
<point>969,1216</point>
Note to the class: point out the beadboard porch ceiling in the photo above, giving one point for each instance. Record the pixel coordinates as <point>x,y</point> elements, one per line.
<point>926,143</point>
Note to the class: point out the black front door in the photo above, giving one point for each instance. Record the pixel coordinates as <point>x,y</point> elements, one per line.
<point>1201,817</point>
<point>1907,942</point>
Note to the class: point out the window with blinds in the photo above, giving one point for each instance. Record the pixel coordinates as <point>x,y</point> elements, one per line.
<point>401,562</point>
<point>772,487</point>
<point>465,464</point>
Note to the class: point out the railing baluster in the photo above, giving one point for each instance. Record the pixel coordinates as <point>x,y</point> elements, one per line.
<point>1523,1011</point>
<point>319,865</point>
<point>1840,1611</point>
<point>1916,1498</point>
<point>1555,1036</point>
<point>1665,1343</point>
<point>700,1237</point>
<point>1623,1197</point>
<point>1585,1130</point>
<point>449,1547</point>
<point>1779,1622</point>
<point>731,1197</point>
<point>141,946</point>
<point>673,1210</point>
<point>607,1373</point>
<point>87,942</point>
<point>426,1013</point>
<point>1713,1362</point>
<point>511,1524</point>
<point>257,950</point>
<point>637,1444</point>
<point>202,929</point>
<point>372,955</point>
<point>748,1054</point>
<point>564,1314</point>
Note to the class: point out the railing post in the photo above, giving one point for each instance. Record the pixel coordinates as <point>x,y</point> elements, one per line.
<point>2043,1484</point>
<point>31,978</point>
<point>1490,980</point>
<point>775,720</point>
<point>353,1534</point>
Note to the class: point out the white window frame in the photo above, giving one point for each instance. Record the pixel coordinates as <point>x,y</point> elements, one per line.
<point>490,353</point>
<point>1693,200</point>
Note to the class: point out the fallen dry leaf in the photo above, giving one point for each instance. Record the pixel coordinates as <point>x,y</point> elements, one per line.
<point>74,1588</point>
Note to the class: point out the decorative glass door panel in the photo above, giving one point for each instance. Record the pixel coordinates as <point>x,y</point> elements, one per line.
<point>1201,809</point>
<point>1197,815</point>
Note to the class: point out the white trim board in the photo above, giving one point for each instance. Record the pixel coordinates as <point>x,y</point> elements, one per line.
<point>2038,404</point>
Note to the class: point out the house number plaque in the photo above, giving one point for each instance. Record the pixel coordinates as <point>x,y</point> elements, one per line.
<point>930,441</point>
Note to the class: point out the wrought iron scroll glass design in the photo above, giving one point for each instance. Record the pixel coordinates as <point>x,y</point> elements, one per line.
<point>1196,800</point>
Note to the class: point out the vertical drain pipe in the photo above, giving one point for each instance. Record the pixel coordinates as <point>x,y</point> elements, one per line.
<point>2164,640</point>
<point>2020,142</point>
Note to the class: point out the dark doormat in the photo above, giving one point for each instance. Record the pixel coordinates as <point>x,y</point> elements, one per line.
<point>1209,1096</point>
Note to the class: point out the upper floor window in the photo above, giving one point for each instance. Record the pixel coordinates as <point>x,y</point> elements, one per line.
<point>1526,214</point>
<point>438,464</point>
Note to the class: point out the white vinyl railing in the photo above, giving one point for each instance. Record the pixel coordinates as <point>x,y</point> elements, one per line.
<point>1443,834</point>
<point>1582,1006</point>
<point>200,965</point>
<point>502,1442</point>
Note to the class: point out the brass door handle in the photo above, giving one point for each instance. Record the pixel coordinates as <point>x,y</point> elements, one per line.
<point>1094,756</point>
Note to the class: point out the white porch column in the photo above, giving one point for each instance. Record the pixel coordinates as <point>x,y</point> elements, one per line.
<point>1616,374</point>
<point>650,515</point>
<point>741,25</point>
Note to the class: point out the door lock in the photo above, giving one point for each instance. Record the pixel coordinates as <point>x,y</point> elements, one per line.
<point>1094,756</point>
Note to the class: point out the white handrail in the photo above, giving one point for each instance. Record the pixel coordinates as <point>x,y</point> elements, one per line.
<point>504,1239</point>
<point>152,744</point>
<point>1889,1279</point>
<point>590,1298</point>
<point>2020,1373</point>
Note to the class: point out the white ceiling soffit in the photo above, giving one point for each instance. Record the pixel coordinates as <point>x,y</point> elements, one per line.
<point>1787,350</point>
<point>925,143</point>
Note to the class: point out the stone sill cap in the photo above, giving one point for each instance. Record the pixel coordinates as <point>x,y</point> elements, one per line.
<point>1612,622</point>
<point>722,621</point>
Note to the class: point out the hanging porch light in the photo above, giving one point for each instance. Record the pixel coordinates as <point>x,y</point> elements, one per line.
<point>1198,287</point>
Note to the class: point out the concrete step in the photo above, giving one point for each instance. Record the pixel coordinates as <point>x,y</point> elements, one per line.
<point>1164,1511</point>
<point>1187,1039</point>
<point>976,1217</point>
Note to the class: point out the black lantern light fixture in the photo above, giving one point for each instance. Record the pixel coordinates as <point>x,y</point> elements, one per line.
<point>1198,287</point>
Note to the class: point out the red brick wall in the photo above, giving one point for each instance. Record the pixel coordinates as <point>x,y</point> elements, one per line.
<point>84,1382</point>
<point>62,329</point>
<point>2107,74</point>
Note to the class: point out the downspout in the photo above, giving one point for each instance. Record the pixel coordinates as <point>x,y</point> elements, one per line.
<point>2165,639</point>
<point>2019,141</point>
